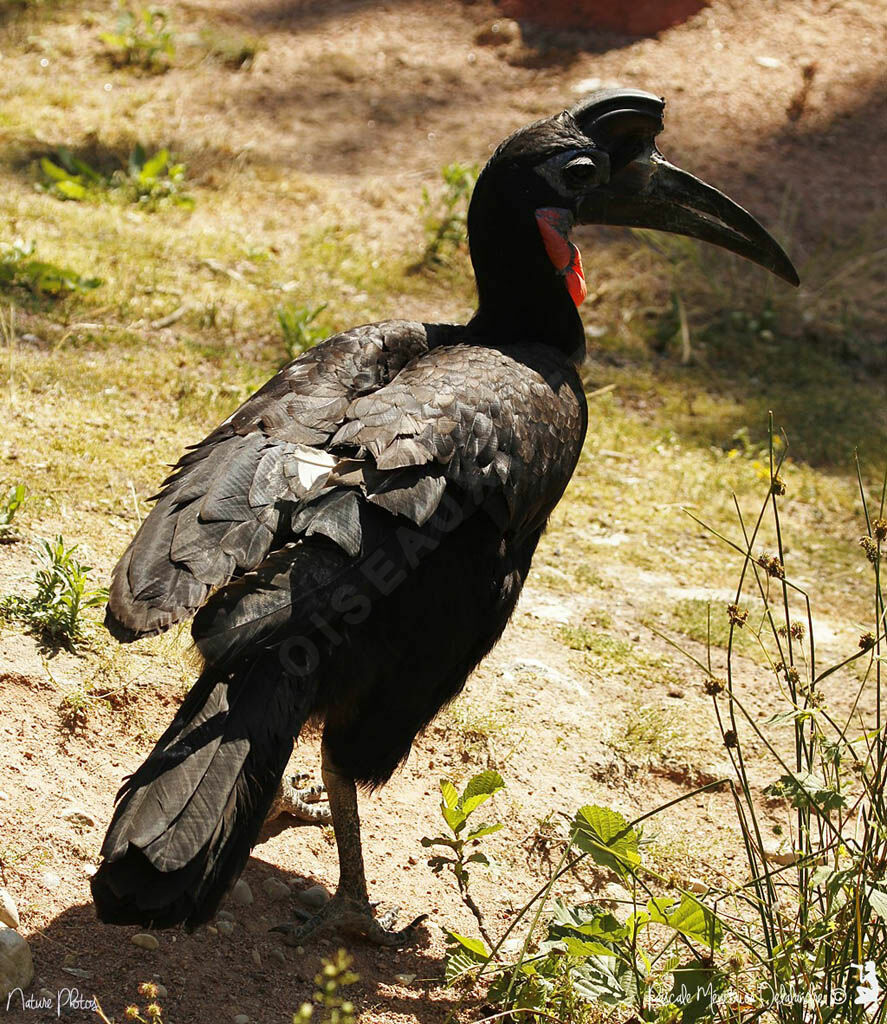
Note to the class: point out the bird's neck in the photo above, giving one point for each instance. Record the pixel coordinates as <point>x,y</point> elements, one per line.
<point>521,297</point>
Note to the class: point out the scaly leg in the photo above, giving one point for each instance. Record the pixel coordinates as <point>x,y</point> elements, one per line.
<point>349,910</point>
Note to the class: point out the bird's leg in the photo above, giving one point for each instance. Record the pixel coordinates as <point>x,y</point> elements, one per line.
<point>301,801</point>
<point>349,910</point>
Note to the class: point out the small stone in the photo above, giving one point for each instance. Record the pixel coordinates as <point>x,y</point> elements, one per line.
<point>50,880</point>
<point>145,940</point>
<point>276,889</point>
<point>77,816</point>
<point>768,62</point>
<point>256,957</point>
<point>316,896</point>
<point>16,965</point>
<point>697,885</point>
<point>212,930</point>
<point>8,910</point>
<point>225,915</point>
<point>241,894</point>
<point>89,870</point>
<point>225,927</point>
<point>241,1018</point>
<point>405,979</point>
<point>675,691</point>
<point>277,955</point>
<point>47,994</point>
<point>3,794</point>
<point>161,991</point>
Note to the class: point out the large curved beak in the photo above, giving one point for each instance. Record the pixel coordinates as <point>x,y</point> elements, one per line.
<point>653,193</point>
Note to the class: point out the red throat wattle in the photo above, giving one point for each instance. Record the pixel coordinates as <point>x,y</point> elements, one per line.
<point>554,226</point>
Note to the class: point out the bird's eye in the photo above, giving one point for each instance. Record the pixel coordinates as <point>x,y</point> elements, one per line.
<point>581,172</point>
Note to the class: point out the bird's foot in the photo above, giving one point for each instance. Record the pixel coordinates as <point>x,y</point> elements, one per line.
<point>302,801</point>
<point>346,915</point>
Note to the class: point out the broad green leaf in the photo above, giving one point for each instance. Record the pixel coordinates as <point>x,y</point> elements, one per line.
<point>155,165</point>
<point>607,837</point>
<point>454,816</point>
<point>596,980</point>
<point>480,789</point>
<point>477,858</point>
<point>787,717</point>
<point>694,990</point>
<point>52,170</point>
<point>584,921</point>
<point>450,796</point>
<point>70,189</point>
<point>137,159</point>
<point>690,918</point>
<point>474,946</point>
<point>483,830</point>
<point>582,948</point>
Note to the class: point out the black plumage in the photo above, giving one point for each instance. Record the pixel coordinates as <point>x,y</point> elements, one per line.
<point>352,541</point>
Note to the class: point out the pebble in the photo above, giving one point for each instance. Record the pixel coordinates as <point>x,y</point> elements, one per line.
<point>241,1018</point>
<point>8,910</point>
<point>77,816</point>
<point>16,965</point>
<point>225,927</point>
<point>161,991</point>
<point>316,896</point>
<point>3,794</point>
<point>212,930</point>
<point>51,880</point>
<point>768,62</point>
<point>256,957</point>
<point>276,889</point>
<point>89,870</point>
<point>225,915</point>
<point>405,979</point>
<point>697,885</point>
<point>145,940</point>
<point>241,894</point>
<point>277,955</point>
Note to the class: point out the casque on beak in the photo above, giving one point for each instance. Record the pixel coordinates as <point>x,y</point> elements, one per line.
<point>645,190</point>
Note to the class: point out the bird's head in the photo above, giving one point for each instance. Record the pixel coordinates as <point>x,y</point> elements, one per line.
<point>598,163</point>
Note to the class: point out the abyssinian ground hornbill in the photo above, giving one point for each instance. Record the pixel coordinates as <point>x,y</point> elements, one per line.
<point>353,539</point>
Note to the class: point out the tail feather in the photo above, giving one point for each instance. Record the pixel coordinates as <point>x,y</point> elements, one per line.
<point>187,819</point>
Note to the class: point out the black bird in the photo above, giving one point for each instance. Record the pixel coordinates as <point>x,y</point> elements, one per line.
<point>353,539</point>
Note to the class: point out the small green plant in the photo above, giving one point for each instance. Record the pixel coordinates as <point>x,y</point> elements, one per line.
<point>297,324</point>
<point>461,846</point>
<point>10,505</point>
<point>335,974</point>
<point>446,216</point>
<point>55,611</point>
<point>142,38</point>
<point>148,181</point>
<point>18,268</point>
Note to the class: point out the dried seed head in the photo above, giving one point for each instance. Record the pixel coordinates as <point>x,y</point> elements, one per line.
<point>154,1010</point>
<point>782,631</point>
<point>866,641</point>
<point>791,674</point>
<point>777,486</point>
<point>731,739</point>
<point>132,1012</point>
<point>148,989</point>
<point>870,548</point>
<point>815,699</point>
<point>799,630</point>
<point>772,565</point>
<point>879,529</point>
<point>737,616</point>
<point>714,686</point>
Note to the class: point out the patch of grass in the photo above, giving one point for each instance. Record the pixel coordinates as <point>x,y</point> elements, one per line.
<point>298,327</point>
<point>445,216</point>
<point>55,611</point>
<point>10,505</point>
<point>142,37</point>
<point>709,621</point>
<point>19,269</point>
<point>147,181</point>
<point>648,734</point>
